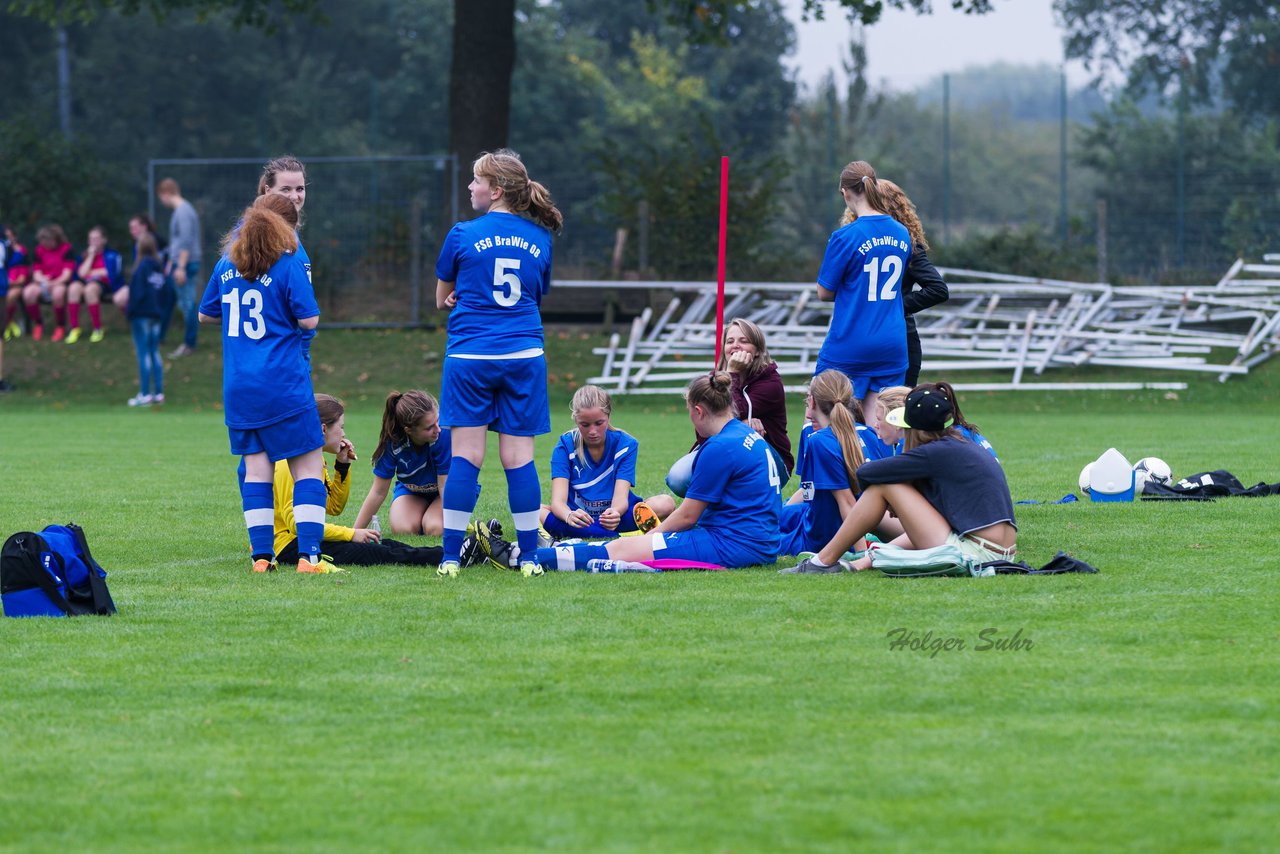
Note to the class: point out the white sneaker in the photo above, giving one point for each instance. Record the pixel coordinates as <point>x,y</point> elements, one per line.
<point>141,400</point>
<point>157,399</point>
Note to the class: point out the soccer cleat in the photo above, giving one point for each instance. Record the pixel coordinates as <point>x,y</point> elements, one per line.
<point>13,330</point>
<point>261,565</point>
<point>448,569</point>
<point>493,547</point>
<point>37,333</point>
<point>324,567</point>
<point>545,540</point>
<point>808,567</point>
<point>58,334</point>
<point>646,519</point>
<point>96,336</point>
<point>72,338</point>
<point>529,568</point>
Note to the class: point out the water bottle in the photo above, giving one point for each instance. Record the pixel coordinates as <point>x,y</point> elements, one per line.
<point>374,526</point>
<point>608,565</point>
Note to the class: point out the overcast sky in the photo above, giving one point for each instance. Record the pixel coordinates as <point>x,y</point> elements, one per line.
<point>905,50</point>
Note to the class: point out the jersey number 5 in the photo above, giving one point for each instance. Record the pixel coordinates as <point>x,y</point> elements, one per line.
<point>506,284</point>
<point>892,271</point>
<point>255,326</point>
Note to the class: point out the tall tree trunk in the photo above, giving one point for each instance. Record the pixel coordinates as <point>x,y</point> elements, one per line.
<point>484,54</point>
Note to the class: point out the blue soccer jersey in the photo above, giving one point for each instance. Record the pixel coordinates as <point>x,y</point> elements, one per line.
<point>591,483</point>
<point>736,475</point>
<point>863,265</point>
<point>821,474</point>
<point>873,447</point>
<point>265,375</point>
<point>977,439</point>
<point>416,467</point>
<point>868,442</point>
<point>500,265</point>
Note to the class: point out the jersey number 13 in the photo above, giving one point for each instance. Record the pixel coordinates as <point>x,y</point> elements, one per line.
<point>255,326</point>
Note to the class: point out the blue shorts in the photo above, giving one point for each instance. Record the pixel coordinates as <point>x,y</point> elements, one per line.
<point>703,545</point>
<point>508,396</point>
<point>427,494</point>
<point>563,530</point>
<point>863,383</point>
<point>290,437</point>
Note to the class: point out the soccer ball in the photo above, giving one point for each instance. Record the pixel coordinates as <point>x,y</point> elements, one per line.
<point>1084,477</point>
<point>1151,469</point>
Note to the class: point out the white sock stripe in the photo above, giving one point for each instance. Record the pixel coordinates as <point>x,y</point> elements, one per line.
<point>262,516</point>
<point>456,520</point>
<point>564,559</point>
<point>526,521</point>
<point>308,513</point>
<point>658,543</point>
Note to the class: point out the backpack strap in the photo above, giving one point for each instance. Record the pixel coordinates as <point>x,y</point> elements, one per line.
<point>46,582</point>
<point>102,601</point>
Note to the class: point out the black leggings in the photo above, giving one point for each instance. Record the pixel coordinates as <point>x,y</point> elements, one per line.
<point>346,553</point>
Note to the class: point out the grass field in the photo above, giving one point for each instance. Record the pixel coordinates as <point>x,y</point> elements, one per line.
<point>741,711</point>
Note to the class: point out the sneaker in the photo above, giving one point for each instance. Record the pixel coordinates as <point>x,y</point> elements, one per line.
<point>808,567</point>
<point>261,565</point>
<point>5,387</point>
<point>448,569</point>
<point>530,569</point>
<point>141,400</point>
<point>96,336</point>
<point>324,567</point>
<point>37,333</point>
<point>183,350</point>
<point>158,399</point>
<point>13,330</point>
<point>58,334</point>
<point>646,519</point>
<point>72,338</point>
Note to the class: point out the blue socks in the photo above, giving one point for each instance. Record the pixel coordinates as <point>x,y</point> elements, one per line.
<point>308,513</point>
<point>459,500</point>
<point>259,518</point>
<point>525,498</point>
<point>571,558</point>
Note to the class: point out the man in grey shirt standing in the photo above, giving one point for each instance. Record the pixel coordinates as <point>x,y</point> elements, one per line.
<point>184,259</point>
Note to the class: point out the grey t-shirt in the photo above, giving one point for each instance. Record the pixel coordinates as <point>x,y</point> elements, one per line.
<point>960,479</point>
<point>184,232</point>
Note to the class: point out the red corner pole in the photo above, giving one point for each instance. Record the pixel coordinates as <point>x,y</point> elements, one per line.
<point>724,222</point>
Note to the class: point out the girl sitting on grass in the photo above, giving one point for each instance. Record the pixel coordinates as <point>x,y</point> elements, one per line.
<point>942,488</point>
<point>358,546</point>
<point>729,516</point>
<point>415,451</point>
<point>593,468</point>
<point>833,452</point>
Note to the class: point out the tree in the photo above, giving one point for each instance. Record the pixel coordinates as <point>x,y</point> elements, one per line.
<point>1164,44</point>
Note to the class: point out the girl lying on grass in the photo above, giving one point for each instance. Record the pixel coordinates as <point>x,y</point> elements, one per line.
<point>593,468</point>
<point>942,488</point>
<point>415,451</point>
<point>358,546</point>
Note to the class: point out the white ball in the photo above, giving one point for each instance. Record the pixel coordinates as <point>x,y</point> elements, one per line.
<point>1084,477</point>
<point>1152,469</point>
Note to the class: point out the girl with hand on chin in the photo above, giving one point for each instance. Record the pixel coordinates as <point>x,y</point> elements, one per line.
<point>593,468</point>
<point>492,273</point>
<point>729,516</point>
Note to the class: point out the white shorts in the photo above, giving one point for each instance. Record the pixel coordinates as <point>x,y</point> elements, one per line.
<point>980,549</point>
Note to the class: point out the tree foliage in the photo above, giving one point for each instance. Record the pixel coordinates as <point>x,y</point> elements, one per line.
<point>263,14</point>
<point>1163,44</point>
<point>713,18</point>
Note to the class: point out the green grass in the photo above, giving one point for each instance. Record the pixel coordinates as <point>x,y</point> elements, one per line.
<point>740,711</point>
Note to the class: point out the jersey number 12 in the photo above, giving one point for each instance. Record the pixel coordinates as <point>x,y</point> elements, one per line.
<point>255,326</point>
<point>892,271</point>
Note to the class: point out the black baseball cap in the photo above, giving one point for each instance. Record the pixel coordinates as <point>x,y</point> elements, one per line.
<point>925,409</point>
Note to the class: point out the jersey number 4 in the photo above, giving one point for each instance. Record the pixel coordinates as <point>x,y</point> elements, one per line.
<point>506,284</point>
<point>892,271</point>
<point>255,326</point>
